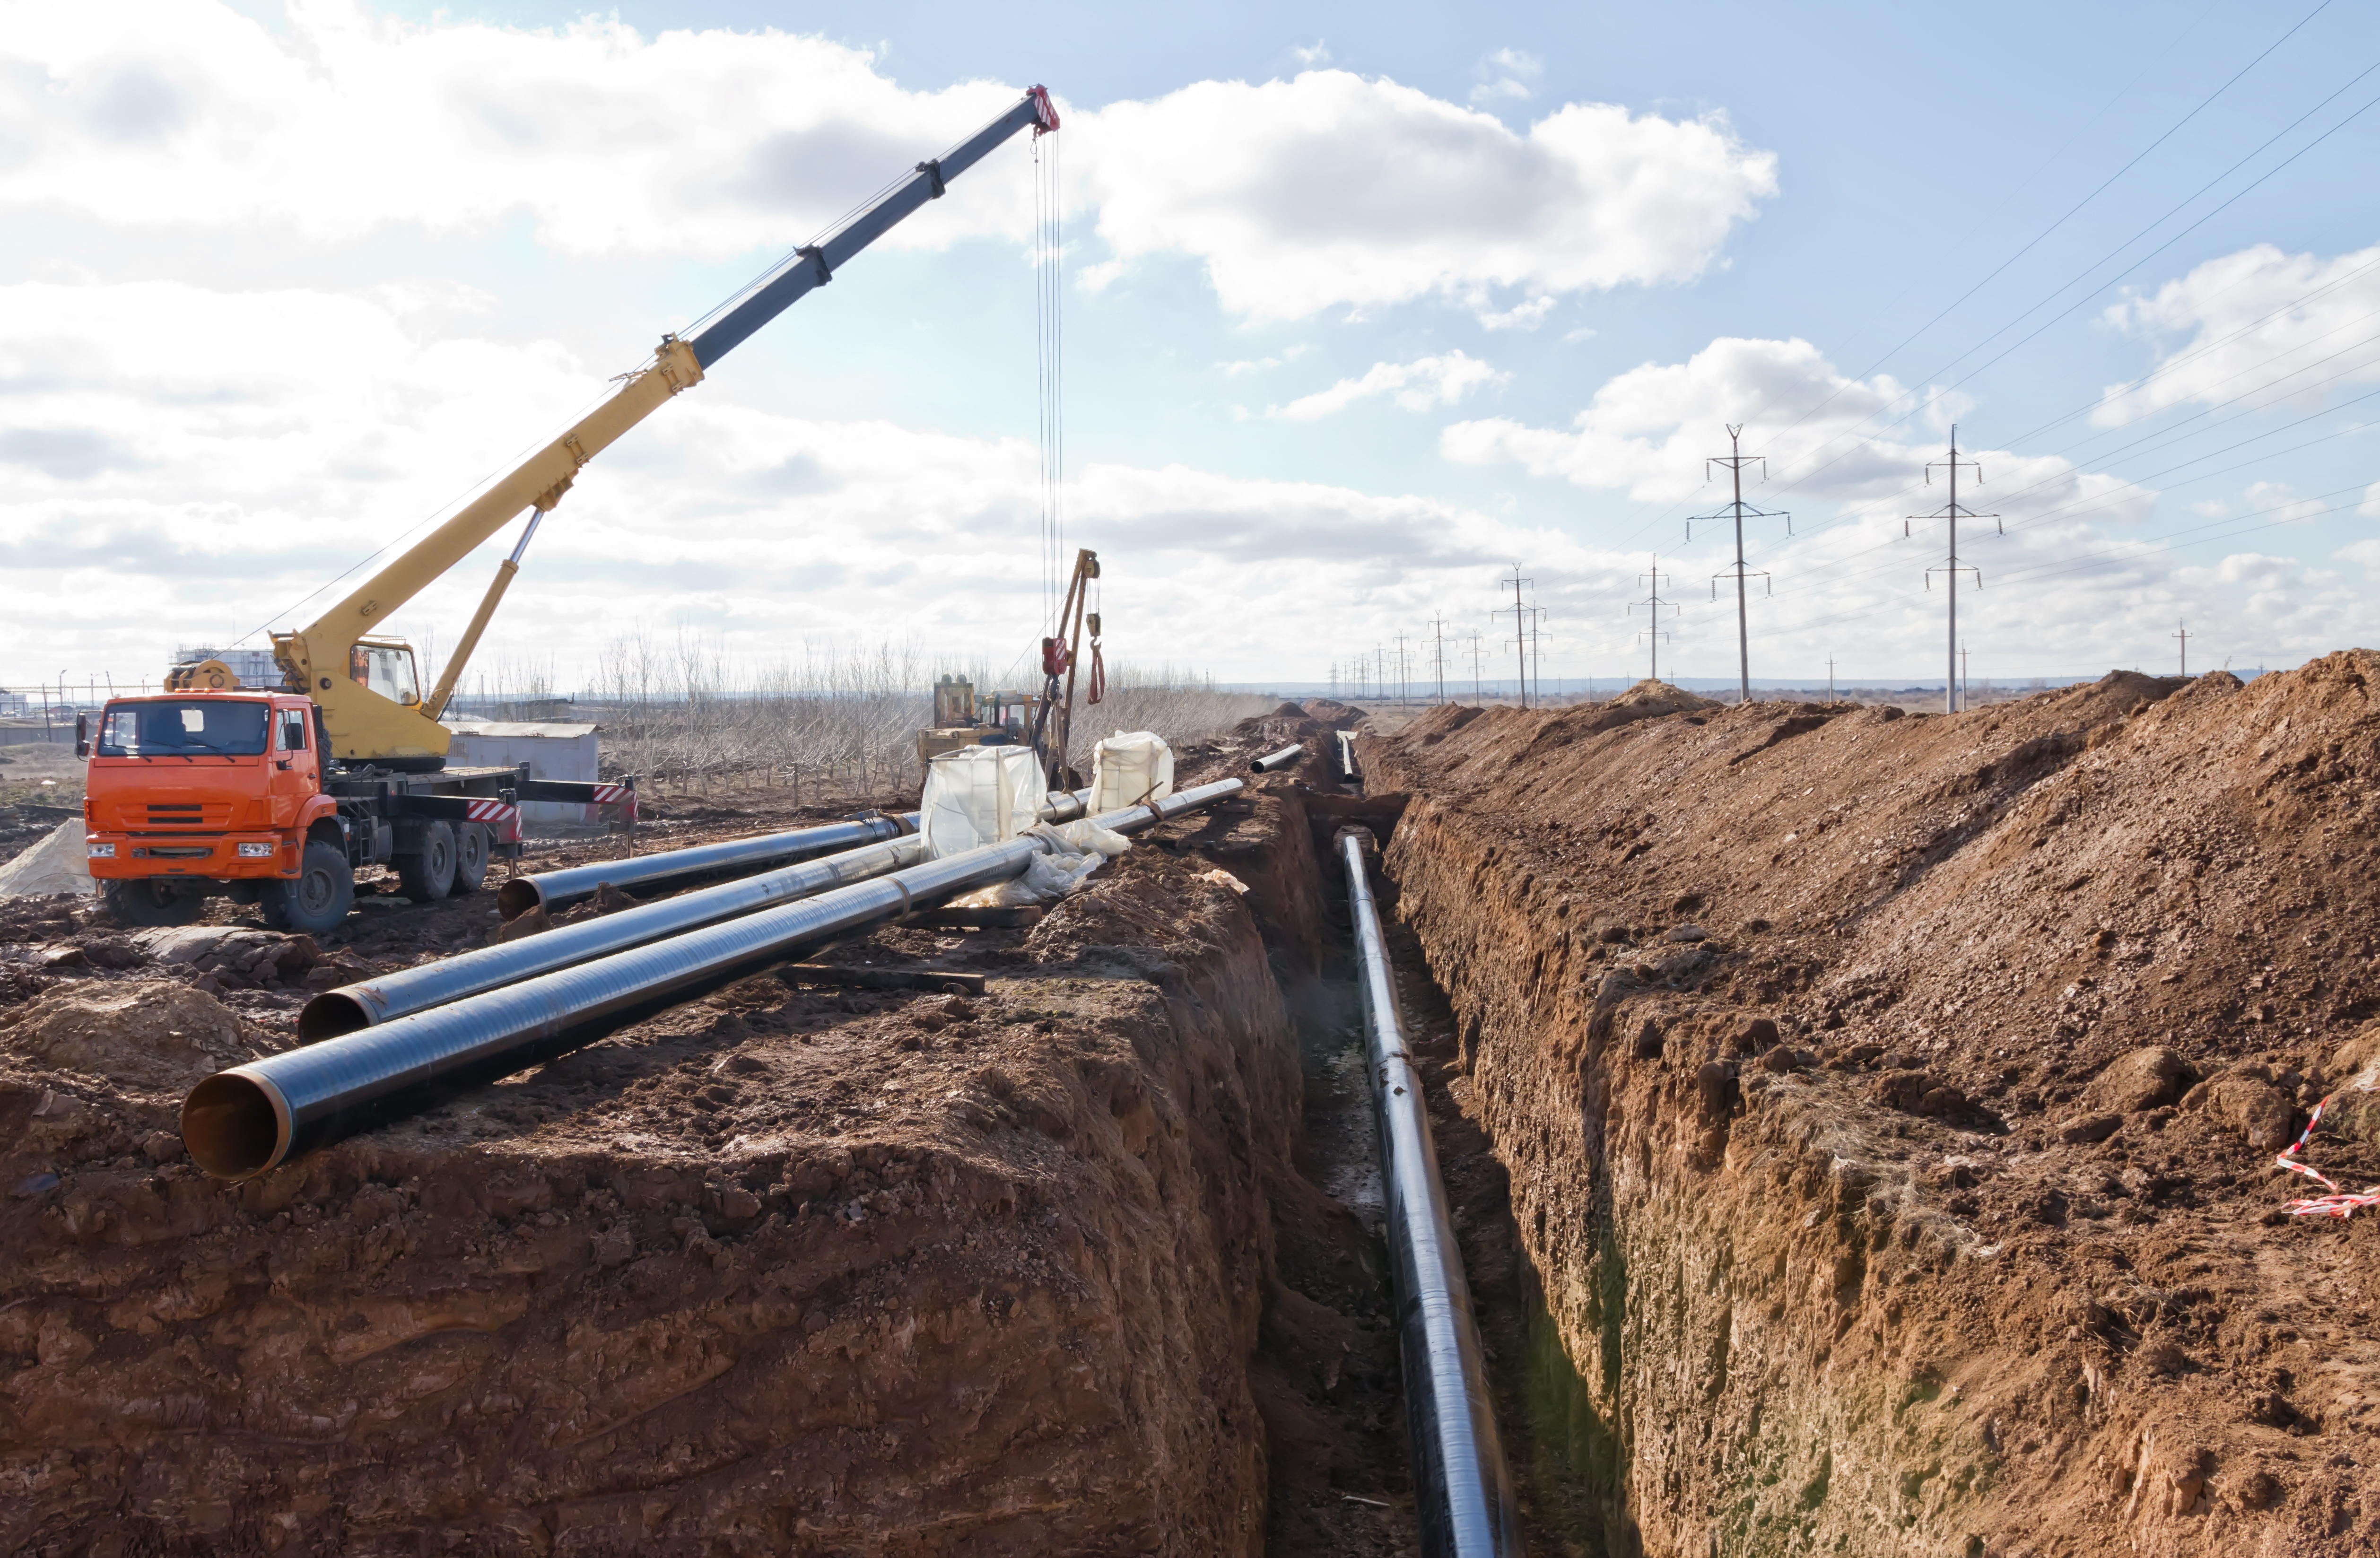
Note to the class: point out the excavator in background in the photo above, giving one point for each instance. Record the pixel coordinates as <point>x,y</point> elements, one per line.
<point>275,796</point>
<point>1043,720</point>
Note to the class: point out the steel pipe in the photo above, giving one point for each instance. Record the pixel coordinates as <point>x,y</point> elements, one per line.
<point>1283,759</point>
<point>1346,754</point>
<point>554,889</point>
<point>1463,1488</point>
<point>367,1001</point>
<point>241,1122</point>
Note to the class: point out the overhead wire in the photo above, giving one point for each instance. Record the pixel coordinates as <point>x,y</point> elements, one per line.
<point>1929,389</point>
<point>2035,240</point>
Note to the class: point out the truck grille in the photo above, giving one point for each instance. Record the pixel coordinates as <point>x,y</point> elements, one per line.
<point>192,814</point>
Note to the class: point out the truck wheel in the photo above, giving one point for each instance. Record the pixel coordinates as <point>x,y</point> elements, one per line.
<point>318,897</point>
<point>471,857</point>
<point>427,874</point>
<point>151,900</point>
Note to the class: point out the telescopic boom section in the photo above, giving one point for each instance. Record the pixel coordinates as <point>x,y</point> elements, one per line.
<point>368,725</point>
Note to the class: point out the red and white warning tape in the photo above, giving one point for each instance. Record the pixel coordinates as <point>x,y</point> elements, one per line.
<point>2339,1203</point>
<point>505,820</point>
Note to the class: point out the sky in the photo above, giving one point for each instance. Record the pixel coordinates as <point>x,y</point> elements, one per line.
<point>1361,309</point>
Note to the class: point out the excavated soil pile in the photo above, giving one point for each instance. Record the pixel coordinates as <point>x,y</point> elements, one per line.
<point>1890,1103</point>
<point>786,1268</point>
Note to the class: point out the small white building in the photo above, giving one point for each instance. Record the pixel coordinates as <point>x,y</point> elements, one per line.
<point>551,751</point>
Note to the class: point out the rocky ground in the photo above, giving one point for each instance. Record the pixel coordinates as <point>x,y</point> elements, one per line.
<point>1890,1103</point>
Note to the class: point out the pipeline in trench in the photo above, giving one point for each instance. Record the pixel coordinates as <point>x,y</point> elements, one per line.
<point>1342,1468</point>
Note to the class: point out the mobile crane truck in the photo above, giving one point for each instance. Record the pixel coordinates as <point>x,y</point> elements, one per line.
<point>275,796</point>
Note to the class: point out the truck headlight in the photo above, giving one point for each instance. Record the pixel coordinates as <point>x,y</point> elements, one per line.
<point>102,852</point>
<point>256,852</point>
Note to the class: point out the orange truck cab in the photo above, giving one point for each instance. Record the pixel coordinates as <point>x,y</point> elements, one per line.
<point>195,794</point>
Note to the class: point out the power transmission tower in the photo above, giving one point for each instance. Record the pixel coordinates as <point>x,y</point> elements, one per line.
<point>1476,695</point>
<point>1964,699</point>
<point>1830,678</point>
<point>1952,513</point>
<point>1437,654</point>
<point>1735,460</point>
<point>1380,672</point>
<point>1537,649</point>
<point>1520,630</point>
<point>1653,632</point>
<point>2184,634</point>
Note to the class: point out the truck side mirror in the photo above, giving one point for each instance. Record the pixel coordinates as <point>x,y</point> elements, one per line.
<point>82,736</point>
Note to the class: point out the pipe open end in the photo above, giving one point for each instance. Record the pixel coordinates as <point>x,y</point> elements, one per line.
<point>330,1014</point>
<point>235,1126</point>
<point>517,897</point>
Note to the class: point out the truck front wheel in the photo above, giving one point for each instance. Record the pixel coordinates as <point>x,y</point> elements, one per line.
<point>318,897</point>
<point>153,900</point>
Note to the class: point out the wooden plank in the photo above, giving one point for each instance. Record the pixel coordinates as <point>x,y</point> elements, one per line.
<point>975,918</point>
<point>883,979</point>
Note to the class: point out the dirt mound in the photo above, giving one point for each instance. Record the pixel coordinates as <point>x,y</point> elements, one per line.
<point>145,1035</point>
<point>784,1269</point>
<point>1288,711</point>
<point>55,866</point>
<point>1337,715</point>
<point>1920,1078</point>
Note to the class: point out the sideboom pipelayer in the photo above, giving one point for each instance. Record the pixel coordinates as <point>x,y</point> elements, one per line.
<point>275,796</point>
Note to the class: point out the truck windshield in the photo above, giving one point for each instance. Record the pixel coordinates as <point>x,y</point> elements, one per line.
<point>183,729</point>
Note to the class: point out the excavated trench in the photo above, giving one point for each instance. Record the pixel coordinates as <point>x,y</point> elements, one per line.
<point>1089,1264</point>
<point>1857,1127</point>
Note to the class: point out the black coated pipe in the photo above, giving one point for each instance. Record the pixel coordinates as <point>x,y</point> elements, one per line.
<point>1283,759</point>
<point>675,867</point>
<point>246,1120</point>
<point>554,889</point>
<point>367,1001</point>
<point>1461,1485</point>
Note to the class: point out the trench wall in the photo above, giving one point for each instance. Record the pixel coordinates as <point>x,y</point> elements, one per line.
<point>1887,1104</point>
<point>1007,1306</point>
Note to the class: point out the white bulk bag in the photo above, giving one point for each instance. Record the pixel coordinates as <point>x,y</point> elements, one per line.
<point>978,796</point>
<point>1129,767</point>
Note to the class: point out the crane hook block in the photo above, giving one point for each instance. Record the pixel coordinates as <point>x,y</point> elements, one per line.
<point>1053,657</point>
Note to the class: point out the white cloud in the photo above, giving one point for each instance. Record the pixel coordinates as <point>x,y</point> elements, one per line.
<point>184,466</point>
<point>1650,429</point>
<point>147,112</point>
<point>2275,327</point>
<point>1264,364</point>
<point>1520,316</point>
<point>1417,385</point>
<point>1333,190</point>
<point>1296,196</point>
<point>1310,55</point>
<point>1505,75</point>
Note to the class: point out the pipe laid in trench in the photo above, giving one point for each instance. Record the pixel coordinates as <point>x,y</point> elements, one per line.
<point>1463,1488</point>
<point>241,1122</point>
<point>378,999</point>
<point>1346,755</point>
<point>556,888</point>
<point>1283,759</point>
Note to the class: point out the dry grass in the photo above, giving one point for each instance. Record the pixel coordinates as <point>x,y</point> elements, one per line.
<point>839,722</point>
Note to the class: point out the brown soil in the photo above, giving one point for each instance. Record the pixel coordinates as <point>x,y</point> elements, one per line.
<point>786,1268</point>
<point>1890,1103</point>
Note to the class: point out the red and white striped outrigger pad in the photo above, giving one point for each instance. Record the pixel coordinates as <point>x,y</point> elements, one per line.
<point>502,820</point>
<point>622,795</point>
